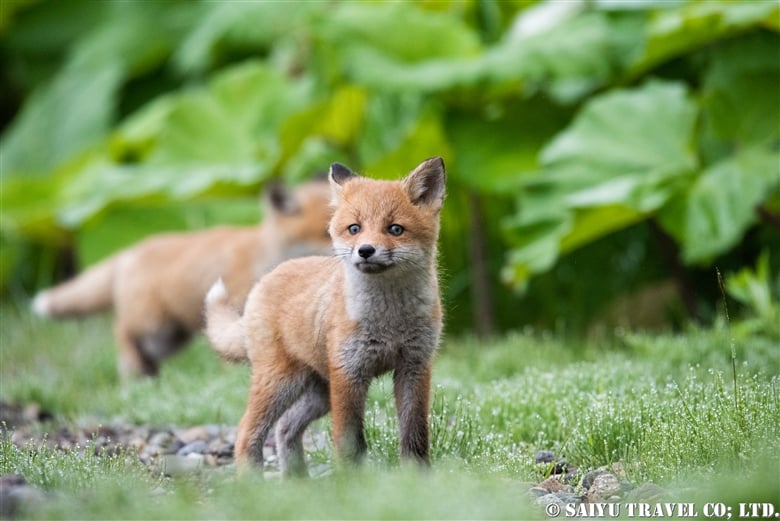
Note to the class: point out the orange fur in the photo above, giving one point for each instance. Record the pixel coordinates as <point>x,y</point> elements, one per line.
<point>317,330</point>
<point>156,287</point>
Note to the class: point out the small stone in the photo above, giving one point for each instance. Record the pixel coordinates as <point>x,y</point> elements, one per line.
<point>221,448</point>
<point>192,434</point>
<point>174,465</point>
<point>570,497</point>
<point>605,487</point>
<point>549,499</point>
<point>548,459</point>
<point>196,447</point>
<point>553,485</point>
<point>544,456</point>
<point>587,479</point>
<point>536,492</point>
<point>166,442</point>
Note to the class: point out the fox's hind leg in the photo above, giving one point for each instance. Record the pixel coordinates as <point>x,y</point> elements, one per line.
<point>270,395</point>
<point>131,362</point>
<point>312,404</point>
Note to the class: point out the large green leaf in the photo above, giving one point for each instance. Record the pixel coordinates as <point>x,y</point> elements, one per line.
<point>404,32</point>
<point>225,28</point>
<point>624,155</point>
<point>714,213</point>
<point>75,111</point>
<point>495,146</point>
<point>741,105</point>
<point>672,32</point>
<point>568,60</point>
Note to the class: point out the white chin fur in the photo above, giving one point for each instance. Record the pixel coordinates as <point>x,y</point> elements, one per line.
<point>41,304</point>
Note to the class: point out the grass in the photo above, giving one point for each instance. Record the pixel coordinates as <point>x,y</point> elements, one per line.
<point>663,406</point>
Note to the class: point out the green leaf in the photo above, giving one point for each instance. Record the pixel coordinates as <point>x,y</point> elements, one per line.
<point>741,106</point>
<point>75,111</point>
<point>497,146</point>
<point>102,184</point>
<point>673,32</point>
<point>753,287</point>
<point>223,28</point>
<point>337,120</point>
<point>569,60</point>
<point>400,31</point>
<point>638,131</point>
<point>72,113</point>
<point>721,204</point>
<point>624,155</point>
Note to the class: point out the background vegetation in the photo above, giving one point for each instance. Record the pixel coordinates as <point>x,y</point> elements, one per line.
<point>596,149</point>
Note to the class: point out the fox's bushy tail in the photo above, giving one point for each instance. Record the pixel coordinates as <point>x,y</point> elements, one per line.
<point>224,327</point>
<point>89,292</point>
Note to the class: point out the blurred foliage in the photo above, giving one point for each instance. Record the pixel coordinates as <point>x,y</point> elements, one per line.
<point>574,132</point>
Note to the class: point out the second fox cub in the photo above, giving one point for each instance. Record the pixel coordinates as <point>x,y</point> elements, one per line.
<point>317,330</point>
<point>156,287</point>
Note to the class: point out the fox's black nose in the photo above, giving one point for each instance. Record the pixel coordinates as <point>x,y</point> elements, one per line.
<point>366,250</point>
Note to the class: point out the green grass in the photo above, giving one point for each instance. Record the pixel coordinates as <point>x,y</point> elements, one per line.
<point>664,406</point>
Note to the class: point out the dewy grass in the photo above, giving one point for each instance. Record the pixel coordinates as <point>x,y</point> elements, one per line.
<point>662,406</point>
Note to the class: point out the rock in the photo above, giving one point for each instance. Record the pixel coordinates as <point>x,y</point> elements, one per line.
<point>201,432</point>
<point>552,484</point>
<point>549,499</point>
<point>587,479</point>
<point>165,442</point>
<point>175,465</point>
<point>196,447</point>
<point>570,497</point>
<point>221,449</point>
<point>536,492</point>
<point>605,488</point>
<point>549,460</point>
<point>544,456</point>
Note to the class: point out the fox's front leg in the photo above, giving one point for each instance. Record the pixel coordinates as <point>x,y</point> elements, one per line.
<point>347,403</point>
<point>412,387</point>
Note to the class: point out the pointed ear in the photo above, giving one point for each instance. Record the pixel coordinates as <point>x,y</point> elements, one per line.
<point>280,199</point>
<point>338,176</point>
<point>426,184</point>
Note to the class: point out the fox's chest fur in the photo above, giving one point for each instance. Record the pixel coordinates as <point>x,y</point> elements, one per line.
<point>395,322</point>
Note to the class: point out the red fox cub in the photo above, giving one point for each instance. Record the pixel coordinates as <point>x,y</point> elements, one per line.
<point>157,286</point>
<point>317,330</point>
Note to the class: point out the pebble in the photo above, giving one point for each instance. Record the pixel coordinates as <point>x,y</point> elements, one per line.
<point>175,465</point>
<point>195,447</point>
<point>605,488</point>
<point>552,484</point>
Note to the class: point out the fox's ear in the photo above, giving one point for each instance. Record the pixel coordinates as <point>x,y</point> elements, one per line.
<point>280,199</point>
<point>340,174</point>
<point>426,184</point>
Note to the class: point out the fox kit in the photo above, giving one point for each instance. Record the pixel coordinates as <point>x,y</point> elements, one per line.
<point>157,286</point>
<point>317,330</point>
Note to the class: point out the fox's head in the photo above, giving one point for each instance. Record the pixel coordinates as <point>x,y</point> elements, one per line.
<point>379,226</point>
<point>298,217</point>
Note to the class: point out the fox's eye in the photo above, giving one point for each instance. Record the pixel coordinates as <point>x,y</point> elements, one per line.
<point>395,229</point>
<point>353,229</point>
